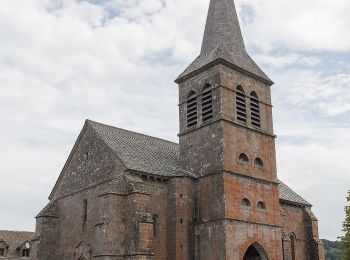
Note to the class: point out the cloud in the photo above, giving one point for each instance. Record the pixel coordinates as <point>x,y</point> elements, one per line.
<point>114,61</point>
<point>312,25</point>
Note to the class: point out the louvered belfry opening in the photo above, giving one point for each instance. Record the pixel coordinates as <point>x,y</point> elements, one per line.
<point>207,104</point>
<point>192,115</point>
<point>241,110</point>
<point>255,110</point>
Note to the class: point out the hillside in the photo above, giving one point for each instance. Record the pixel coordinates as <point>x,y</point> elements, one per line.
<point>332,250</point>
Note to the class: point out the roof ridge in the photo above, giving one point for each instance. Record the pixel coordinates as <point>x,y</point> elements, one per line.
<point>133,132</point>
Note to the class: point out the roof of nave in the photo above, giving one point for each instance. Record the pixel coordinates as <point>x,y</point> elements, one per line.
<point>158,157</point>
<point>142,153</point>
<point>14,239</point>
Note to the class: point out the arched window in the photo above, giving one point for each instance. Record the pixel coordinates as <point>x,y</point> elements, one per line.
<point>245,202</point>
<point>255,109</point>
<point>155,224</point>
<point>85,209</point>
<point>207,104</point>
<point>241,110</point>
<point>243,159</point>
<point>292,246</point>
<point>258,163</point>
<point>192,109</point>
<point>261,205</point>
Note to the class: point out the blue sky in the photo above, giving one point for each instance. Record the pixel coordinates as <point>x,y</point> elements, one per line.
<point>114,61</point>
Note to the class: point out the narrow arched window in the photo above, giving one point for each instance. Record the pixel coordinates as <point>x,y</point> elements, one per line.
<point>245,202</point>
<point>261,205</point>
<point>241,110</point>
<point>258,163</point>
<point>155,225</point>
<point>255,110</point>
<point>85,210</point>
<point>292,246</point>
<point>207,104</point>
<point>192,115</point>
<point>243,159</point>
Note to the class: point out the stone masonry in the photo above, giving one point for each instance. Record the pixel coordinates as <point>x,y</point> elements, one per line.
<point>213,196</point>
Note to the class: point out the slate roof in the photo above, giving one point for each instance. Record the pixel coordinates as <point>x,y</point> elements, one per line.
<point>287,194</point>
<point>156,156</point>
<point>223,40</point>
<point>48,211</point>
<point>14,239</point>
<point>140,152</point>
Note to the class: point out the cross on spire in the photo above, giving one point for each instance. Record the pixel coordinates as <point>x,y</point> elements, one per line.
<point>223,42</point>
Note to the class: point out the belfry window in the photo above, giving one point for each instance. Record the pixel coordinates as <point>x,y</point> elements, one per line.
<point>243,159</point>
<point>255,110</point>
<point>258,163</point>
<point>192,115</point>
<point>241,110</point>
<point>261,205</point>
<point>245,202</point>
<point>2,251</point>
<point>207,104</point>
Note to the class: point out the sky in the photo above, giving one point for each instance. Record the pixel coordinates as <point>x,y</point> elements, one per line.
<point>114,61</point>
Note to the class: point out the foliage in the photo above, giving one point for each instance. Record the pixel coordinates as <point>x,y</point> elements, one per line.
<point>332,250</point>
<point>345,240</point>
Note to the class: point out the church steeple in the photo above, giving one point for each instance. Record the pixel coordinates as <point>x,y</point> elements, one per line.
<point>222,29</point>
<point>223,42</point>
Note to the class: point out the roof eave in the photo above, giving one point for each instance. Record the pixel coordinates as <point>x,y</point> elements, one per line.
<point>186,76</point>
<point>294,203</point>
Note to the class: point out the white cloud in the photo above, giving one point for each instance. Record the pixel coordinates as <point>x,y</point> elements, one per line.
<point>282,61</point>
<point>302,25</point>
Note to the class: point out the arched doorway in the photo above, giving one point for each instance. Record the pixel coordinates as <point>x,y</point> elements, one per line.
<point>255,252</point>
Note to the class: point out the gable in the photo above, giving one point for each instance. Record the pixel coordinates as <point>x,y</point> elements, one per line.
<point>91,162</point>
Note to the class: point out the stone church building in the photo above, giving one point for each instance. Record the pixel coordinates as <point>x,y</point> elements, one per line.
<point>127,196</point>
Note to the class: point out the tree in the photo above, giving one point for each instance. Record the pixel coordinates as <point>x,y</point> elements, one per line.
<point>345,240</point>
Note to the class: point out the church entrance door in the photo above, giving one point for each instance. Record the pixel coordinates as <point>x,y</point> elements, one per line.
<point>255,252</point>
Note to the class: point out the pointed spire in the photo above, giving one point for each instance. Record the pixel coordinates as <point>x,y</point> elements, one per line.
<point>222,29</point>
<point>223,42</point>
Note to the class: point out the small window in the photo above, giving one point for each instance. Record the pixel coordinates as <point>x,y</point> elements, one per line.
<point>192,115</point>
<point>155,223</point>
<point>241,110</point>
<point>243,159</point>
<point>261,205</point>
<point>207,104</point>
<point>255,110</point>
<point>258,163</point>
<point>292,246</point>
<point>245,202</point>
<point>85,211</point>
<point>25,252</point>
<point>2,251</point>
<point>86,156</point>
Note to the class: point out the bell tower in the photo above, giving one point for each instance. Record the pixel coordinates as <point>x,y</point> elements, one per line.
<point>227,140</point>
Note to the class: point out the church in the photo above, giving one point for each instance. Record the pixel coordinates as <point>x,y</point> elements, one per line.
<point>215,195</point>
